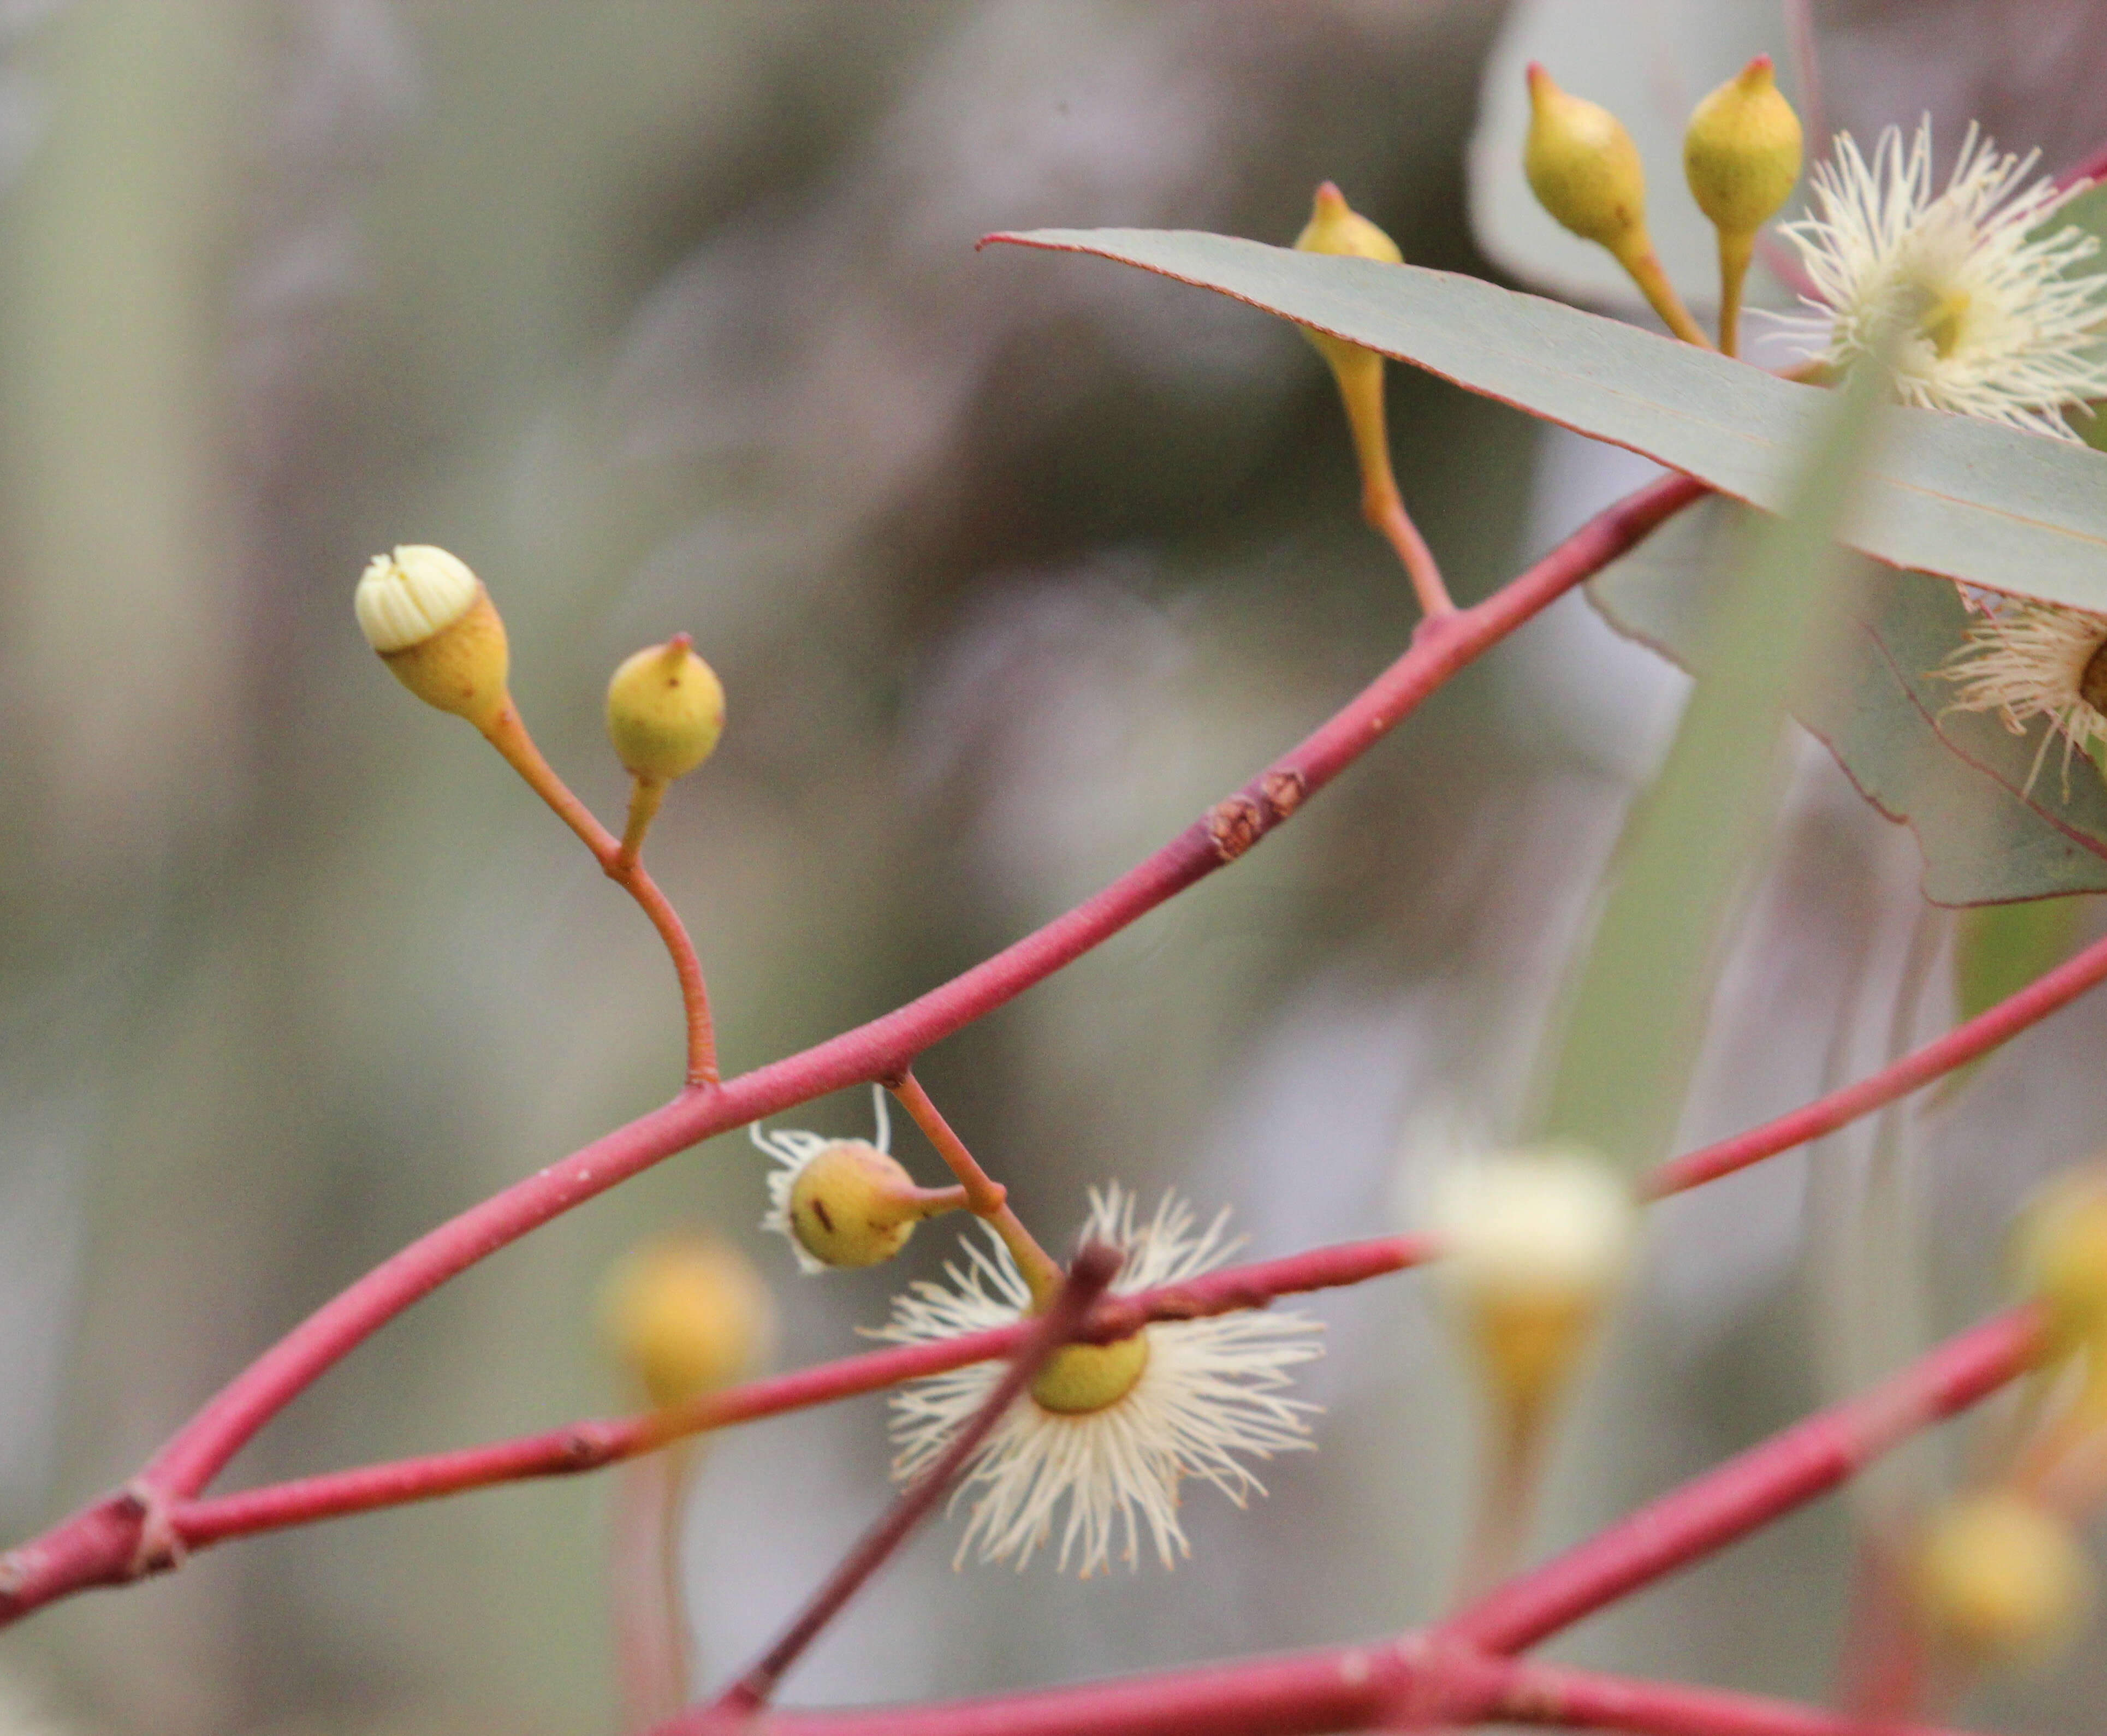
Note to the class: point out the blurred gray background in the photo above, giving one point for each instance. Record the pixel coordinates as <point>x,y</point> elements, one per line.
<point>668,316</point>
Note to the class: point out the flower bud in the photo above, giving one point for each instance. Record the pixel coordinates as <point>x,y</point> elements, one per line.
<point>665,710</point>
<point>1336,227</point>
<point>1583,166</point>
<point>1534,1246</point>
<point>2062,1256</point>
<point>853,1204</point>
<point>685,1314</point>
<point>433,623</point>
<point>2000,1579</point>
<point>1741,153</point>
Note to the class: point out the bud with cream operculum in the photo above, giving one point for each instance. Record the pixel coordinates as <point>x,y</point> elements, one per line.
<point>2000,1580</point>
<point>686,1315</point>
<point>1534,1246</point>
<point>433,625</point>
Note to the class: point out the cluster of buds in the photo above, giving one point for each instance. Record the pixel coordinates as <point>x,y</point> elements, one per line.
<point>1740,155</point>
<point>431,620</point>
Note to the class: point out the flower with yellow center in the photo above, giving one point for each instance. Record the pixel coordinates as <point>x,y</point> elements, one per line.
<point>2024,659</point>
<point>1998,324</point>
<point>1107,1432</point>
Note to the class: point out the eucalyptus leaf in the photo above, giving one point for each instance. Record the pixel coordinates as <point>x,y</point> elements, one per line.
<point>1991,812</point>
<point>1950,495</point>
<point>1636,1013</point>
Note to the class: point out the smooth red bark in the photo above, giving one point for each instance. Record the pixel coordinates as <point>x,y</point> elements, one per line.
<point>77,1552</point>
<point>587,1446</point>
<point>2045,994</point>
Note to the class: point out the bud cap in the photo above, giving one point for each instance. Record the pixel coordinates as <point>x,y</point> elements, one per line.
<point>403,598</point>
<point>665,710</point>
<point>1741,153</point>
<point>1336,227</point>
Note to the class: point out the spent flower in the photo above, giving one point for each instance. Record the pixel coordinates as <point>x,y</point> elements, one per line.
<point>842,1202</point>
<point>1997,321</point>
<point>1107,1432</point>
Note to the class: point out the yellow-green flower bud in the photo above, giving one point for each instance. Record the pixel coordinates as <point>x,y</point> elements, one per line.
<point>1583,166</point>
<point>665,710</point>
<point>2062,1256</point>
<point>2000,1579</point>
<point>1742,151</point>
<point>433,623</point>
<point>1336,227</point>
<point>685,1314</point>
<point>853,1204</point>
<point>1534,1246</point>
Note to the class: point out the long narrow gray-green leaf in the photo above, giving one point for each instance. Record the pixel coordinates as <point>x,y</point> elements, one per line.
<point>1638,1010</point>
<point>1950,495</point>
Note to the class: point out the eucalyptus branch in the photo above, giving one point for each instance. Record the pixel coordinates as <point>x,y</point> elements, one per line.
<point>1454,1675</point>
<point>589,1444</point>
<point>97,1545</point>
<point>2048,993</point>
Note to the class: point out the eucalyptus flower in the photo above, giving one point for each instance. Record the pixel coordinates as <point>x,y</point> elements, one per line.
<point>1997,323</point>
<point>1106,1433</point>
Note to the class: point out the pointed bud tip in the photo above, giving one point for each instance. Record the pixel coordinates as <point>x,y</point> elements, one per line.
<point>665,709</point>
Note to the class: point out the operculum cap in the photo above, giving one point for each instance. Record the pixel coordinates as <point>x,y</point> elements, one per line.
<point>433,625</point>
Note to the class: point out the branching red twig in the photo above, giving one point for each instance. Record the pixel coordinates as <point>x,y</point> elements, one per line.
<point>587,1446</point>
<point>2056,988</point>
<point>1455,1675</point>
<point>1094,1266</point>
<point>98,1545</point>
<point>1735,1498</point>
<point>1399,1685</point>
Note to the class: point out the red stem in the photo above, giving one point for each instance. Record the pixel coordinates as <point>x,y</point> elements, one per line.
<point>1750,1491</point>
<point>588,1445</point>
<point>1094,1268</point>
<point>79,1552</point>
<point>2042,996</point>
<point>1403,1684</point>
